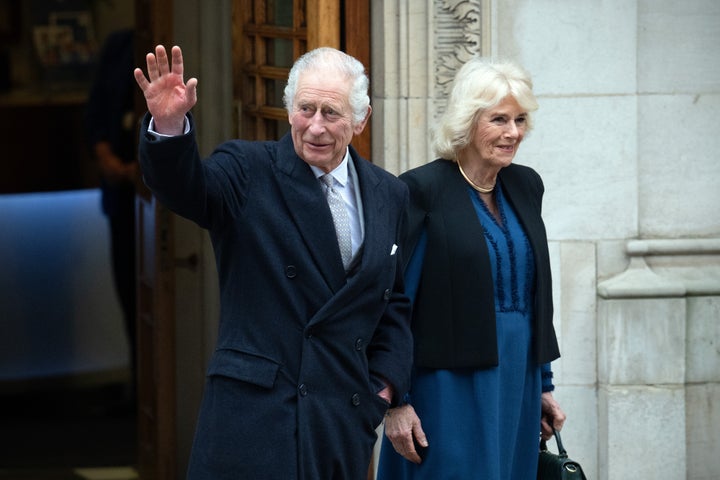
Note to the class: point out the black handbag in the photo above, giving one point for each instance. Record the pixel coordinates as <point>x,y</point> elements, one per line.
<point>557,466</point>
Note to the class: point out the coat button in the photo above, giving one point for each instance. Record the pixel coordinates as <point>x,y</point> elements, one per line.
<point>356,399</point>
<point>290,271</point>
<point>359,344</point>
<point>386,295</point>
<point>302,389</point>
<point>309,333</point>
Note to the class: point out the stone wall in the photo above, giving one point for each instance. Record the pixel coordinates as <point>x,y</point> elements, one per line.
<point>626,141</point>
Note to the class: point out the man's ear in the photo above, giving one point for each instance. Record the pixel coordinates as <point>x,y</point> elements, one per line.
<point>358,128</point>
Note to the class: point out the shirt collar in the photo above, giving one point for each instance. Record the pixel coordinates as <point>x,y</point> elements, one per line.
<point>340,173</point>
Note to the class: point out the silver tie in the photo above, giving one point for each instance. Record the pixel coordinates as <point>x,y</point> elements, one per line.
<point>341,218</point>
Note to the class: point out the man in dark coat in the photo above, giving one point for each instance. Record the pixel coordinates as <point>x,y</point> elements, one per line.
<point>314,342</point>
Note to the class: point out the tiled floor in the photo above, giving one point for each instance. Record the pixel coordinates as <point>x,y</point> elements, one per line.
<point>86,433</point>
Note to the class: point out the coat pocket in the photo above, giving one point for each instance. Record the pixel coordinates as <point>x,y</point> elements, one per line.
<point>245,367</point>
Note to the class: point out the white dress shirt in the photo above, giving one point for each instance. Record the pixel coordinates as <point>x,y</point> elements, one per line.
<point>347,186</point>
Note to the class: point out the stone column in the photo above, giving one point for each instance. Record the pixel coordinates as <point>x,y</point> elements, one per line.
<point>417,48</point>
<point>648,346</point>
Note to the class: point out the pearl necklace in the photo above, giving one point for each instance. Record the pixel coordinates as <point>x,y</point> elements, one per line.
<point>473,184</point>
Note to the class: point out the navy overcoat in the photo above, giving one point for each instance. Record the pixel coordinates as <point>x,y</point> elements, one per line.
<point>291,387</point>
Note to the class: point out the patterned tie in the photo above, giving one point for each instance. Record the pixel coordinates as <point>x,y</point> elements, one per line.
<point>341,218</point>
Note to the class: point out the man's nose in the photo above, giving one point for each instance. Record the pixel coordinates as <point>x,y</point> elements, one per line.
<point>317,123</point>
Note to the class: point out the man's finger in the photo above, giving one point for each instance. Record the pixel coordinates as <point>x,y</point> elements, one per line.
<point>152,67</point>
<point>162,60</point>
<point>191,91</point>
<point>177,61</point>
<point>140,79</point>
<point>413,457</point>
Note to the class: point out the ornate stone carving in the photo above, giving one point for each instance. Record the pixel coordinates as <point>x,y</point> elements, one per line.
<point>458,35</point>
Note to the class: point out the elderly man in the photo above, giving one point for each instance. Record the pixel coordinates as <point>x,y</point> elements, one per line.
<point>314,342</point>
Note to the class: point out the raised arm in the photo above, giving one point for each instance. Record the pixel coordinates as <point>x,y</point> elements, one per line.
<point>167,95</point>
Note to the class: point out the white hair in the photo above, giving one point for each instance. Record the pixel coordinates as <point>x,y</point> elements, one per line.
<point>330,59</point>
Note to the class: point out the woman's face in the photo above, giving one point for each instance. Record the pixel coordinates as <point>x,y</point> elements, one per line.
<point>498,133</point>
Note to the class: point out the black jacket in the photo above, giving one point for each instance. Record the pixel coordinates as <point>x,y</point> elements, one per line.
<point>453,326</point>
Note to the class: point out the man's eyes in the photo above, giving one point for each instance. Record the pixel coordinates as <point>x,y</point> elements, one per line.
<point>328,113</point>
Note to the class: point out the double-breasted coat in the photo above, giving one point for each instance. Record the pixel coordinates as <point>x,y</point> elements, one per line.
<point>302,347</point>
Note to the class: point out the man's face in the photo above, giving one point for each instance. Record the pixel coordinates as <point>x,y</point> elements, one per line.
<point>321,120</point>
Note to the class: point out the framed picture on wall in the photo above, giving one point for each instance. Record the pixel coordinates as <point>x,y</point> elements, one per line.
<point>54,45</point>
<point>80,23</point>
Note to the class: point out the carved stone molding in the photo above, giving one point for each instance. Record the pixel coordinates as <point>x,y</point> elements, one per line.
<point>458,37</point>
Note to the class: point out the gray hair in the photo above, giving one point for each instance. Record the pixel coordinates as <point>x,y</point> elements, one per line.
<point>480,84</point>
<point>330,59</point>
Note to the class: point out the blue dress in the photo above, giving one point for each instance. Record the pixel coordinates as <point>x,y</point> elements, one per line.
<point>482,424</point>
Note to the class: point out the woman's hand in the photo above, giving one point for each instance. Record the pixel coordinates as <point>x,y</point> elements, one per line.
<point>552,416</point>
<point>402,425</point>
<point>167,96</point>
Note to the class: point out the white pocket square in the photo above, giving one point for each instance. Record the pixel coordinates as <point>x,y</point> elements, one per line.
<point>393,249</point>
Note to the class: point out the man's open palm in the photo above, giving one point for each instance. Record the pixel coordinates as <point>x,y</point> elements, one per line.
<point>167,96</point>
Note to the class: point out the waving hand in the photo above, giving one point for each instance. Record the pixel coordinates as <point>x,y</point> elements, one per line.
<point>167,95</point>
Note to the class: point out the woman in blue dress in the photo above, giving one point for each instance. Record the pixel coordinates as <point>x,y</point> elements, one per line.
<point>478,272</point>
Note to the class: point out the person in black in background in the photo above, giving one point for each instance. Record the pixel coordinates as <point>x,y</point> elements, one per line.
<point>111,135</point>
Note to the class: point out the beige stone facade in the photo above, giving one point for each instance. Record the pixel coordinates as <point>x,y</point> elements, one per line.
<point>626,141</point>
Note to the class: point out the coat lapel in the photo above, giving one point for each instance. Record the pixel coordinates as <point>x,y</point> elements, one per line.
<point>375,215</point>
<point>377,241</point>
<point>461,217</point>
<point>515,192</point>
<point>518,196</point>
<point>310,212</point>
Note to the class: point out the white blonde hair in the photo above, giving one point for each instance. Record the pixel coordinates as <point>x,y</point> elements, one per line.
<point>480,84</point>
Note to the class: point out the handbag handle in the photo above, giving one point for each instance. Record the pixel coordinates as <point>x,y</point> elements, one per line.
<point>561,450</point>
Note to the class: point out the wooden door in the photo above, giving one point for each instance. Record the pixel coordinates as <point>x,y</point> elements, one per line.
<point>156,292</point>
<point>269,35</point>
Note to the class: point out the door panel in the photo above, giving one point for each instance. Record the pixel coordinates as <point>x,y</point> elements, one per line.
<point>156,290</point>
<point>156,345</point>
<point>269,35</point>
<point>267,38</point>
<point>355,41</point>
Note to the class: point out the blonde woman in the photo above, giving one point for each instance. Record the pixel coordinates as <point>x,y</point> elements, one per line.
<point>478,272</point>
